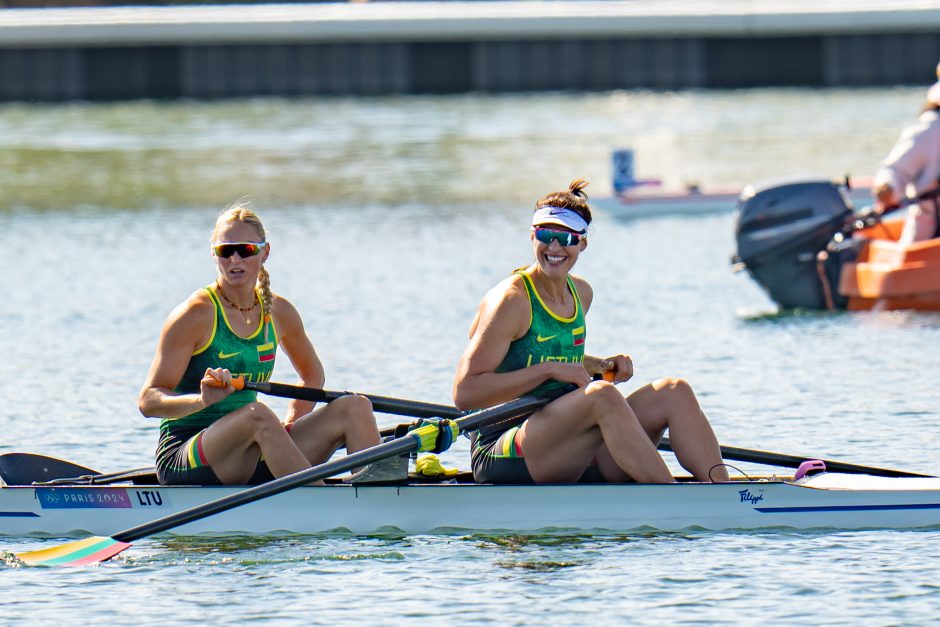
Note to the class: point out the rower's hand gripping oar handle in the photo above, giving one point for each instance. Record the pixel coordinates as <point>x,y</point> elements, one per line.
<point>315,395</point>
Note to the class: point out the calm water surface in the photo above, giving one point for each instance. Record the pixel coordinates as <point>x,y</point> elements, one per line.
<point>389,219</point>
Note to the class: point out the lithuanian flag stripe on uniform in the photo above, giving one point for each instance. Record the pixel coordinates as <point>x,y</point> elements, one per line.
<point>266,352</point>
<point>577,335</point>
<point>197,458</point>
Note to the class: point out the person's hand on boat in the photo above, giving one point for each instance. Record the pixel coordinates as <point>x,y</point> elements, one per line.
<point>215,385</point>
<point>620,366</point>
<point>884,198</point>
<point>574,373</point>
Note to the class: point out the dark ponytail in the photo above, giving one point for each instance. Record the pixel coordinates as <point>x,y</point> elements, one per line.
<point>575,199</point>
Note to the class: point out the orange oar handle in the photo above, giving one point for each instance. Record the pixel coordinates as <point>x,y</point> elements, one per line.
<point>237,382</point>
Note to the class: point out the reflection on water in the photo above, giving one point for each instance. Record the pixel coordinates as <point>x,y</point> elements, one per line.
<point>458,149</point>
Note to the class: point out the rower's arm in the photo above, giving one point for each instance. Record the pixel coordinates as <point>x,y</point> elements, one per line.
<point>595,365</point>
<point>503,316</point>
<point>181,335</point>
<point>299,349</point>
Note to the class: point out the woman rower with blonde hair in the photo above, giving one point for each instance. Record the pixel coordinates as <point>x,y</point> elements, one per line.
<point>210,433</point>
<point>528,337</point>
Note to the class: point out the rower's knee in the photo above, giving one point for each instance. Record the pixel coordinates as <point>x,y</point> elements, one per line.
<point>260,418</point>
<point>353,407</point>
<point>673,385</point>
<point>603,396</point>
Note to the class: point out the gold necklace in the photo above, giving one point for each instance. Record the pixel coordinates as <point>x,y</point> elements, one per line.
<point>246,310</point>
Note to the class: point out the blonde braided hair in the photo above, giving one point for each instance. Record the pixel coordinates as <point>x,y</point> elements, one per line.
<point>241,212</point>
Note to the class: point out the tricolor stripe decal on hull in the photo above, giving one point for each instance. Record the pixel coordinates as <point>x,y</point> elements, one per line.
<point>846,508</point>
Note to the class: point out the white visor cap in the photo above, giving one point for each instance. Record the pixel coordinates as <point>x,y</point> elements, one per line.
<point>561,217</point>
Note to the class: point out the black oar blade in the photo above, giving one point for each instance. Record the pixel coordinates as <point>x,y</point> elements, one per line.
<point>29,468</point>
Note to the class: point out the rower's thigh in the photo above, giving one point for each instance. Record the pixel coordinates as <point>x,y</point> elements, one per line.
<point>230,442</point>
<point>560,440</point>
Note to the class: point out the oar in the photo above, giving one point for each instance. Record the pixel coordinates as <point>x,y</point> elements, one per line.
<point>425,410</point>
<point>97,549</point>
<point>146,475</point>
<point>867,216</point>
<point>768,458</point>
<point>23,469</point>
<point>384,404</point>
<point>26,468</point>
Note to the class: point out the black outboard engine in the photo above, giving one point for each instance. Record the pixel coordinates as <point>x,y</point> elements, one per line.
<point>780,228</point>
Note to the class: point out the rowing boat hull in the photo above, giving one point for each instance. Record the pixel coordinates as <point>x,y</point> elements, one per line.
<point>823,501</point>
<point>652,204</point>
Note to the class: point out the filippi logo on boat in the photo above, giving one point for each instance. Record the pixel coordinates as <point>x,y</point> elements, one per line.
<point>749,497</point>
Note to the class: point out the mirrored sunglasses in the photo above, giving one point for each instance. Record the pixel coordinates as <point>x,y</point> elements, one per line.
<point>244,249</point>
<point>565,238</point>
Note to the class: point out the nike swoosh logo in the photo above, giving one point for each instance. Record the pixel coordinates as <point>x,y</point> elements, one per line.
<point>539,338</point>
<point>227,355</point>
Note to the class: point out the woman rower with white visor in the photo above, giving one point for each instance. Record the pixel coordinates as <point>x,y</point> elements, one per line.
<point>528,337</point>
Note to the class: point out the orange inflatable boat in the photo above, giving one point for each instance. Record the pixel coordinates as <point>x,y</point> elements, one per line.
<point>889,275</point>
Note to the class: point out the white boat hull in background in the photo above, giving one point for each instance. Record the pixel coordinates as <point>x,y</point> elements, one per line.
<point>644,198</point>
<point>654,204</point>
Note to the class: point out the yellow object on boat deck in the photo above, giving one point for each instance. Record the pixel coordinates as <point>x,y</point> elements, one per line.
<point>430,466</point>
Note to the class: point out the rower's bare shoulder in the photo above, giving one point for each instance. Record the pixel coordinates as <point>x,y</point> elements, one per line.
<point>191,321</point>
<point>197,309</point>
<point>509,294</point>
<point>504,309</point>
<point>286,316</point>
<point>284,306</point>
<point>585,291</point>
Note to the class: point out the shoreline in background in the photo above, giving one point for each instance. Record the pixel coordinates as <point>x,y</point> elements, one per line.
<point>377,48</point>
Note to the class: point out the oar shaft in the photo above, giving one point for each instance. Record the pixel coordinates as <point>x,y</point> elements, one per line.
<point>384,404</point>
<point>400,446</point>
<point>769,458</point>
<point>419,409</point>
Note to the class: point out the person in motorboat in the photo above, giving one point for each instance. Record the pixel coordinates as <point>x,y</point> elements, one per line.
<point>210,433</point>
<point>913,168</point>
<point>528,337</point>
